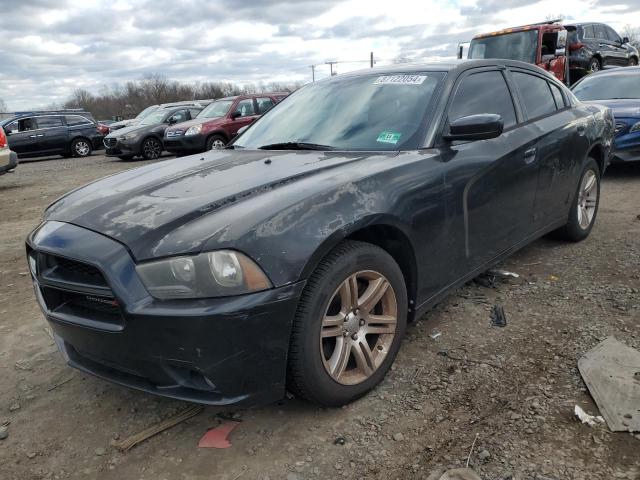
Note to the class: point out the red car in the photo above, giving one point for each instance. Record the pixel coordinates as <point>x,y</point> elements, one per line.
<point>218,123</point>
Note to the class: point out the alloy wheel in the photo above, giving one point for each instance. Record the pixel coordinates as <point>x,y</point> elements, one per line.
<point>82,148</point>
<point>152,149</point>
<point>587,199</point>
<point>358,327</point>
<point>217,144</point>
<point>595,66</point>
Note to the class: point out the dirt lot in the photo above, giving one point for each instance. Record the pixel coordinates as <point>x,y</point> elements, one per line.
<point>513,387</point>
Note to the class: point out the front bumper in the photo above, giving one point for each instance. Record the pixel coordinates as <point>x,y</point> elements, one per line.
<point>8,161</point>
<point>181,144</point>
<point>213,351</point>
<point>120,148</point>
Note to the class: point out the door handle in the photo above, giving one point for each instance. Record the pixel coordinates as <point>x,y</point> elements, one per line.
<point>32,136</point>
<point>40,135</point>
<point>530,155</point>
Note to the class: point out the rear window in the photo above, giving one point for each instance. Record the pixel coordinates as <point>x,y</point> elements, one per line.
<point>521,46</point>
<point>536,95</point>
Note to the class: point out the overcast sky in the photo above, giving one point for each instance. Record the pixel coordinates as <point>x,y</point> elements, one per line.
<point>49,48</point>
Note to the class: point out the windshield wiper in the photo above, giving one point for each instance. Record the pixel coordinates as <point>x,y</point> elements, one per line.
<point>295,146</point>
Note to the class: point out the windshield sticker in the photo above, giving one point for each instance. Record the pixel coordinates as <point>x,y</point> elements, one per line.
<point>400,80</point>
<point>389,137</point>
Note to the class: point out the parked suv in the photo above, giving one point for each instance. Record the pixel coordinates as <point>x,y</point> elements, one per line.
<point>60,132</point>
<point>219,123</point>
<point>8,159</point>
<point>152,108</point>
<point>595,46</point>
<point>145,138</point>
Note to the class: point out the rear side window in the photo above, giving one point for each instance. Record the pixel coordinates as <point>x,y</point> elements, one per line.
<point>536,95</point>
<point>588,31</point>
<point>50,122</point>
<point>484,92</point>
<point>74,120</point>
<point>557,96</point>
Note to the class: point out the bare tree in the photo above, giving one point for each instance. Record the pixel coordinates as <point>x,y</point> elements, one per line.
<point>3,106</point>
<point>555,17</point>
<point>633,33</point>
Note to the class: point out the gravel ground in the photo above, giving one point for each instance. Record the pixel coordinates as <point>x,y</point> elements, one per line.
<point>512,389</point>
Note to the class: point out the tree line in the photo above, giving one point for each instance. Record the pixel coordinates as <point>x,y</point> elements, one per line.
<point>128,99</point>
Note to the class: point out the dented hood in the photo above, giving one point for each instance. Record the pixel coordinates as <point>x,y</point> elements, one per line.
<point>142,205</point>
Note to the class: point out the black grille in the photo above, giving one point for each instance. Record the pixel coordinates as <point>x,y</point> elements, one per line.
<point>65,270</point>
<point>77,292</point>
<point>110,142</point>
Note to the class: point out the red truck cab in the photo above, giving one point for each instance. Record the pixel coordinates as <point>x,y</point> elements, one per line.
<point>543,44</point>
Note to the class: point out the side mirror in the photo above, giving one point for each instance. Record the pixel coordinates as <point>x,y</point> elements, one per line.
<point>235,115</point>
<point>172,121</point>
<point>475,127</point>
<point>625,39</point>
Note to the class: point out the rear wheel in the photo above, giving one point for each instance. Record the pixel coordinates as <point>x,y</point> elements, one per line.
<point>349,325</point>
<point>81,147</point>
<point>595,65</point>
<point>151,148</point>
<point>585,205</point>
<point>633,61</point>
<point>216,142</point>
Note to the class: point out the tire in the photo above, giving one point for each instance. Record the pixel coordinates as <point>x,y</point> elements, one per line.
<point>595,65</point>
<point>633,61</point>
<point>215,142</point>
<point>151,148</point>
<point>584,205</point>
<point>81,147</point>
<point>126,158</point>
<point>314,370</point>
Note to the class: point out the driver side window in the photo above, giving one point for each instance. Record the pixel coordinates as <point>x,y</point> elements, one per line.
<point>484,92</point>
<point>179,117</point>
<point>245,107</point>
<point>23,125</point>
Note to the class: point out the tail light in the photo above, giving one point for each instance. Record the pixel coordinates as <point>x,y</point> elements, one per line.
<point>576,46</point>
<point>3,138</point>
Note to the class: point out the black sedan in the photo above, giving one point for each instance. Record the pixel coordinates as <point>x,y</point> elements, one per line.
<point>145,137</point>
<point>295,257</point>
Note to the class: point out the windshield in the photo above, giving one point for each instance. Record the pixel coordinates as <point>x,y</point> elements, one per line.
<point>608,87</point>
<point>513,46</point>
<point>147,111</point>
<point>155,118</point>
<point>216,109</point>
<point>364,112</point>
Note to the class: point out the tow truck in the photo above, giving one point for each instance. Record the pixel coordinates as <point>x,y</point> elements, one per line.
<point>544,44</point>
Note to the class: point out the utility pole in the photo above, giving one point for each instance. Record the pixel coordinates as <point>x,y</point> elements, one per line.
<point>372,62</point>
<point>313,73</point>
<point>331,64</point>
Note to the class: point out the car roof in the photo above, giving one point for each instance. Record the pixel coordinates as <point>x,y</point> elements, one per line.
<point>41,113</point>
<point>457,66</point>
<point>615,72</point>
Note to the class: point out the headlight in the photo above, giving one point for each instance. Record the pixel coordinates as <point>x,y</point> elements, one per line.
<point>196,129</point>
<point>635,128</point>
<point>214,274</point>
<point>128,136</point>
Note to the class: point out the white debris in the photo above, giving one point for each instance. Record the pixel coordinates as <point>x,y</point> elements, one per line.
<point>584,417</point>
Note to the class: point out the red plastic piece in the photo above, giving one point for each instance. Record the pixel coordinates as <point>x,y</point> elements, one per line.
<point>217,437</point>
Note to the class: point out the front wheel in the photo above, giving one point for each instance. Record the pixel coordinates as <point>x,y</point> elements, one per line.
<point>349,325</point>
<point>151,149</point>
<point>585,204</point>
<point>633,61</point>
<point>81,147</point>
<point>595,65</point>
<point>215,142</point>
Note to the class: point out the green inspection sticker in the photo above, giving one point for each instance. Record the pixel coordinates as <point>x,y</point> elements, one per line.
<point>389,137</point>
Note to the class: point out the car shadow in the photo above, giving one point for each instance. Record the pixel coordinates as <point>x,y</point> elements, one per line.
<point>622,171</point>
